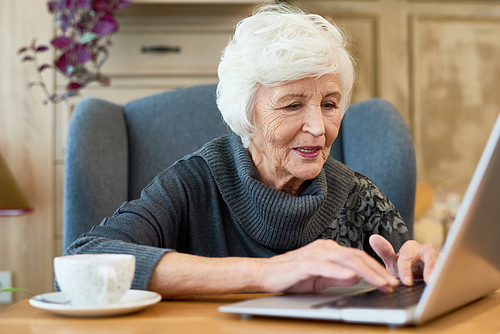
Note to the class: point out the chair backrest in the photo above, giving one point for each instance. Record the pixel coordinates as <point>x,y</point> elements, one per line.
<point>113,151</point>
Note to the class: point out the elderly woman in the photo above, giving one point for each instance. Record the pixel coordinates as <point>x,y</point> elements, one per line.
<point>262,209</point>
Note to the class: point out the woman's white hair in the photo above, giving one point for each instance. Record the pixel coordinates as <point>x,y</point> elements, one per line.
<point>278,44</point>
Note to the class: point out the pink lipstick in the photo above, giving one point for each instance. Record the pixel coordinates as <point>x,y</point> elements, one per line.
<point>308,152</point>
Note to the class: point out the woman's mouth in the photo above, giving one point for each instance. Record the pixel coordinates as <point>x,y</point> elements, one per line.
<point>308,152</point>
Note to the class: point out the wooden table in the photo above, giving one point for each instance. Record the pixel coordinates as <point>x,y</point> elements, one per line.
<point>201,316</point>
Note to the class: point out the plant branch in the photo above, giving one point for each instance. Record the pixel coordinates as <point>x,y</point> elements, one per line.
<point>40,77</point>
<point>81,25</point>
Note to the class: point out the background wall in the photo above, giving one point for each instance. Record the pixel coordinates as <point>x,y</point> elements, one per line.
<point>26,143</point>
<point>436,61</point>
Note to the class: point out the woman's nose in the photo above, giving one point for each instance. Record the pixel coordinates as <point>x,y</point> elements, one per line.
<point>314,122</point>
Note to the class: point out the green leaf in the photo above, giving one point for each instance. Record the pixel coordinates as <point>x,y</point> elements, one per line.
<point>17,290</point>
<point>87,37</point>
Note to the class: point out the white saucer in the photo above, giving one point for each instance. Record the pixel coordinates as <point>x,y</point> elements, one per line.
<point>132,301</point>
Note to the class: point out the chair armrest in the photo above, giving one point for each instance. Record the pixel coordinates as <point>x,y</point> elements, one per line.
<point>96,176</point>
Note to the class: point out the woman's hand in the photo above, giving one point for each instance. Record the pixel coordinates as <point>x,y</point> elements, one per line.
<point>322,264</point>
<point>413,259</point>
<point>316,266</point>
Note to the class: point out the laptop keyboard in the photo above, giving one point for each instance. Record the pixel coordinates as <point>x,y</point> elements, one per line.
<point>402,296</point>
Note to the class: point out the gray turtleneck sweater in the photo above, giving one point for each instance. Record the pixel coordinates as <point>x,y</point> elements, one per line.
<point>212,203</point>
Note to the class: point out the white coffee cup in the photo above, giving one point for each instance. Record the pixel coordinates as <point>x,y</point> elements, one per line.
<point>94,278</point>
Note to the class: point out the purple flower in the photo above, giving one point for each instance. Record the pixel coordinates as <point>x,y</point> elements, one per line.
<point>62,64</point>
<point>62,42</point>
<point>82,54</point>
<point>83,4</point>
<point>72,59</point>
<point>122,4</point>
<point>64,22</point>
<point>101,5</point>
<point>74,86</point>
<point>105,26</point>
<point>52,6</point>
<point>81,28</point>
<point>42,48</point>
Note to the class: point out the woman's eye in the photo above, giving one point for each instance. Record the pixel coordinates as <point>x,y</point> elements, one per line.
<point>330,105</point>
<point>293,106</point>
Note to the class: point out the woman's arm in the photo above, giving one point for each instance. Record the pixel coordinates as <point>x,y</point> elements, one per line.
<point>316,266</point>
<point>184,275</point>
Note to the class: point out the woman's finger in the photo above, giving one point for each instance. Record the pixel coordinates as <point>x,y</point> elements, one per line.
<point>325,262</point>
<point>365,267</point>
<point>415,257</point>
<point>429,255</point>
<point>408,256</point>
<point>383,248</point>
<point>321,283</point>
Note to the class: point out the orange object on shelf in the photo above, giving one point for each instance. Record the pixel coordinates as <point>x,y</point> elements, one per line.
<point>424,198</point>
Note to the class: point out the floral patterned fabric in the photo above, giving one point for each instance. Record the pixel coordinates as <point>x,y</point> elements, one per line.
<point>367,211</point>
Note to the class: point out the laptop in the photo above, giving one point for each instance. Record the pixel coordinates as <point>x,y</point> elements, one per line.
<point>467,269</point>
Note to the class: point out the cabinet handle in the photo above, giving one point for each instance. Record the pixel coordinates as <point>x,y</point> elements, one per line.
<point>160,49</point>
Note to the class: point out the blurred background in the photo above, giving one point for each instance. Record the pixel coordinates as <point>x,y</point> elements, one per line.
<point>436,61</point>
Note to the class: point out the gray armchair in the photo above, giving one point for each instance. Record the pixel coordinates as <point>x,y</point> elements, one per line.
<point>115,151</point>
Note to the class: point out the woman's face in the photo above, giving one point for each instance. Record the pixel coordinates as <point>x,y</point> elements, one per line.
<point>296,124</point>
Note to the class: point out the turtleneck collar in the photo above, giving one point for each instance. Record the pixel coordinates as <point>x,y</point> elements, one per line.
<point>271,217</point>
